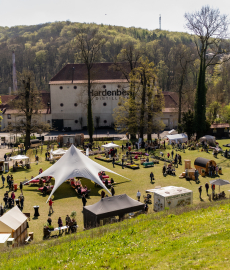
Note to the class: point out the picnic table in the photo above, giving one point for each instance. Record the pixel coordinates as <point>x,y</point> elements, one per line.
<point>36,181</point>
<point>41,188</point>
<point>148,164</point>
<point>105,176</point>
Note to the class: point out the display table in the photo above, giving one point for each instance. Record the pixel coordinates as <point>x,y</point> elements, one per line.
<point>36,213</point>
<point>105,176</point>
<point>148,164</point>
<point>60,229</point>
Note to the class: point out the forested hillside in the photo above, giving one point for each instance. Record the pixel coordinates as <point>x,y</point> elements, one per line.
<point>46,48</point>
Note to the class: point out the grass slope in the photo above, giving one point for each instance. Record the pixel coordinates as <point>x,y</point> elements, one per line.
<point>195,239</point>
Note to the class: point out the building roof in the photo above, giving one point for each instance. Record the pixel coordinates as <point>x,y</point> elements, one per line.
<point>7,108</point>
<point>202,162</point>
<point>220,125</point>
<point>171,99</point>
<point>13,219</point>
<point>169,191</point>
<point>111,205</point>
<point>77,73</point>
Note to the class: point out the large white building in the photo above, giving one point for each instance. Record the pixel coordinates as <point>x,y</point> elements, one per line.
<point>68,92</point>
<point>66,104</point>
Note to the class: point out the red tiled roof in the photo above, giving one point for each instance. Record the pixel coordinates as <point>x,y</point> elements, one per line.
<point>220,126</point>
<point>7,98</point>
<point>99,71</point>
<point>171,99</point>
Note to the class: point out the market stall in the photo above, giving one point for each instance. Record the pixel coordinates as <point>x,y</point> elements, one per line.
<point>170,197</point>
<point>20,161</point>
<point>177,138</point>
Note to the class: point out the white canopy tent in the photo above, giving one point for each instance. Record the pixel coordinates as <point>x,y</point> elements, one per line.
<point>74,164</point>
<point>110,145</point>
<point>19,157</point>
<point>172,132</point>
<point>58,152</point>
<point>208,138</point>
<point>177,138</point>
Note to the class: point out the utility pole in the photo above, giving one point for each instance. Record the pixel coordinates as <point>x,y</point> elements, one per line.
<point>160,21</point>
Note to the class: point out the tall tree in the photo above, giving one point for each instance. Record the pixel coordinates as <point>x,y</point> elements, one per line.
<point>28,102</point>
<point>89,43</point>
<point>146,105</point>
<point>210,29</point>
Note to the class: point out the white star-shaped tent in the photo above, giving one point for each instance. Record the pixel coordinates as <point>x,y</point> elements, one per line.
<point>74,164</point>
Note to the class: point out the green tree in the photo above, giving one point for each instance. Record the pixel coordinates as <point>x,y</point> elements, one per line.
<point>28,103</point>
<point>89,43</point>
<point>210,29</point>
<point>187,123</point>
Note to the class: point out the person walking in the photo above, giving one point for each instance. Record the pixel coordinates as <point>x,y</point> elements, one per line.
<point>113,162</point>
<point>21,198</point>
<point>151,177</point>
<point>112,191</point>
<point>122,163</point>
<point>207,187</point>
<point>12,197</point>
<point>3,180</point>
<point>51,206</point>
<point>172,153</point>
<point>21,187</point>
<point>5,156</point>
<point>138,195</point>
<point>102,194</point>
<point>84,201</point>
<point>200,190</point>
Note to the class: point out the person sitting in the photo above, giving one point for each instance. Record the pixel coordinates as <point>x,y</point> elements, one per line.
<point>79,190</point>
<point>147,159</point>
<point>44,190</point>
<point>21,163</point>
<point>16,164</point>
<point>106,182</point>
<point>49,220</point>
<point>111,181</point>
<point>73,225</point>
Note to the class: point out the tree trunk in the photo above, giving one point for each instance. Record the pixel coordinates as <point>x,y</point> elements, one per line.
<point>89,111</point>
<point>142,116</point>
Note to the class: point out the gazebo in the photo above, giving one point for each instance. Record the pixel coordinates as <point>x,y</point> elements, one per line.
<point>19,159</point>
<point>108,208</point>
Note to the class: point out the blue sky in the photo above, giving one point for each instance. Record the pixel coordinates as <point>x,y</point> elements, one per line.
<point>141,13</point>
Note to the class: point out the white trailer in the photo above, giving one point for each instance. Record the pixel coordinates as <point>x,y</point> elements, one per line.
<point>170,197</point>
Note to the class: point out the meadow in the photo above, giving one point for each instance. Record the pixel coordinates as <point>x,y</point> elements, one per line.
<point>192,237</point>
<point>66,201</point>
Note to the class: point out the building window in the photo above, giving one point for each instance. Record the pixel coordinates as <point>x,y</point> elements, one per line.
<point>104,104</point>
<point>105,121</point>
<point>104,86</point>
<point>9,123</point>
<point>48,121</point>
<point>76,121</point>
<point>118,86</point>
<point>75,104</point>
<point>8,116</point>
<point>61,87</point>
<point>61,104</point>
<point>75,87</point>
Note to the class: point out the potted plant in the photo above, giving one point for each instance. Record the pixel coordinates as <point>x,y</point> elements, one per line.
<point>73,214</point>
<point>220,170</point>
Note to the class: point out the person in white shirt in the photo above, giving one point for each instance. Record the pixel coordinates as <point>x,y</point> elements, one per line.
<point>138,195</point>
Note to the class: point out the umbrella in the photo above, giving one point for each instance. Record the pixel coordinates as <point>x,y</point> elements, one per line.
<point>219,182</point>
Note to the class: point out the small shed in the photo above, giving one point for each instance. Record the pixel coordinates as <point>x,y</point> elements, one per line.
<point>203,164</point>
<point>110,207</point>
<point>171,197</point>
<point>15,223</point>
<point>220,130</point>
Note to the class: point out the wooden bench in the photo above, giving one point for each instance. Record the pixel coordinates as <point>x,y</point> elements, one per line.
<point>27,240</point>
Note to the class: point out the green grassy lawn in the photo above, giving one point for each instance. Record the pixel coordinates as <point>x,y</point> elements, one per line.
<point>198,238</point>
<point>66,201</point>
